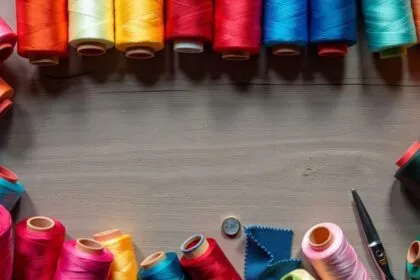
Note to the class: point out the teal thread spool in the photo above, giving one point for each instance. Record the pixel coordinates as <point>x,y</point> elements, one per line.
<point>409,172</point>
<point>389,26</point>
<point>10,192</point>
<point>413,260</point>
<point>161,266</point>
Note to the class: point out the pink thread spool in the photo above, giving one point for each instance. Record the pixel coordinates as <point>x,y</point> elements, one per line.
<point>84,258</point>
<point>5,244</point>
<point>7,40</point>
<point>38,243</point>
<point>330,253</point>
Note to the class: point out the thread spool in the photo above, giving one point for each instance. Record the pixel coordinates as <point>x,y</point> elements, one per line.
<point>7,40</point>
<point>84,258</point>
<point>409,169</point>
<point>38,243</point>
<point>161,266</point>
<point>285,26</point>
<point>298,274</point>
<point>91,26</point>
<point>10,193</point>
<point>189,24</point>
<point>204,259</point>
<point>333,26</point>
<point>139,29</point>
<point>6,95</point>
<point>120,245</point>
<point>237,30</point>
<point>332,256</point>
<point>8,174</point>
<point>415,5</point>
<point>389,26</point>
<point>413,260</point>
<point>42,31</point>
<point>5,244</point>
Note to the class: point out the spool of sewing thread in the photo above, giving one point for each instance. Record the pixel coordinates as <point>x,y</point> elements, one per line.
<point>237,32</point>
<point>124,266</point>
<point>91,26</point>
<point>6,95</point>
<point>189,23</point>
<point>139,29</point>
<point>7,40</point>
<point>8,174</point>
<point>285,26</point>
<point>330,253</point>
<point>415,4</point>
<point>10,193</point>
<point>204,259</point>
<point>5,244</point>
<point>333,26</point>
<point>38,244</point>
<point>84,259</point>
<point>42,30</point>
<point>389,26</point>
<point>298,274</point>
<point>160,266</point>
<point>413,260</point>
<point>409,169</point>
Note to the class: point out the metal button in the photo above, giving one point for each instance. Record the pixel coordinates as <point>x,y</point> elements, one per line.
<point>231,227</point>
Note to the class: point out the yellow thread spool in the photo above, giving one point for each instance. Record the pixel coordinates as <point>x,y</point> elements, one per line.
<point>139,28</point>
<point>124,266</point>
<point>91,26</point>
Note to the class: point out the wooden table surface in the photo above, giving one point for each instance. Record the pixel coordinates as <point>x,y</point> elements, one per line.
<point>169,147</point>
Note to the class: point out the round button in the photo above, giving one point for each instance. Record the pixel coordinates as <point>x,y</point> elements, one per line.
<point>231,227</point>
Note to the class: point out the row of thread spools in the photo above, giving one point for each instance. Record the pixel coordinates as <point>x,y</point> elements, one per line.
<point>236,29</point>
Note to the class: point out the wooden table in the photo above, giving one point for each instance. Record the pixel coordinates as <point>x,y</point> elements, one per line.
<point>169,147</point>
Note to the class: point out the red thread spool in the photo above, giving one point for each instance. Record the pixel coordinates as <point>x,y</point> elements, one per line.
<point>5,244</point>
<point>204,259</point>
<point>6,95</point>
<point>237,33</point>
<point>8,174</point>
<point>7,40</point>
<point>408,154</point>
<point>42,30</point>
<point>38,244</point>
<point>190,24</point>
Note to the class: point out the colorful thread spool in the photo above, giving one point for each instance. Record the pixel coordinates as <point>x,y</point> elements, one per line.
<point>124,266</point>
<point>204,259</point>
<point>285,26</point>
<point>38,244</point>
<point>84,259</point>
<point>389,26</point>
<point>6,95</point>
<point>7,40</point>
<point>160,266</point>
<point>330,253</point>
<point>237,28</point>
<point>333,26</point>
<point>8,174</point>
<point>139,29</point>
<point>298,274</point>
<point>5,244</point>
<point>91,26</point>
<point>413,260</point>
<point>409,169</point>
<point>189,23</point>
<point>11,189</point>
<point>415,4</point>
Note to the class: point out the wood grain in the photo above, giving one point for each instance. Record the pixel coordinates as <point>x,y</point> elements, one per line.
<point>169,147</point>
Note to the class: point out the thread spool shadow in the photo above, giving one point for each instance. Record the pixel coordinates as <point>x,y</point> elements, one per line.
<point>195,66</point>
<point>148,71</point>
<point>389,69</point>
<point>139,254</point>
<point>414,62</point>
<point>101,67</point>
<point>24,208</point>
<point>287,67</point>
<point>5,128</point>
<point>331,68</point>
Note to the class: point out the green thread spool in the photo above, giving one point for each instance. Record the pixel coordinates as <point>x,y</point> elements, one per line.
<point>298,274</point>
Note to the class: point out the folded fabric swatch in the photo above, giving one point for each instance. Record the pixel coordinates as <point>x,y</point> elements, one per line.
<point>268,253</point>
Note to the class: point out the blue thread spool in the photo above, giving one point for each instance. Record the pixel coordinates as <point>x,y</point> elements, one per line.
<point>10,192</point>
<point>285,26</point>
<point>333,26</point>
<point>161,266</point>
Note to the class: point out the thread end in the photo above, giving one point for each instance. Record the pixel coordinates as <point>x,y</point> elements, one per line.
<point>332,50</point>
<point>236,56</point>
<point>91,49</point>
<point>195,246</point>
<point>89,246</point>
<point>413,254</point>
<point>153,260</point>
<point>140,53</point>
<point>320,238</point>
<point>39,60</point>
<point>40,224</point>
<point>286,50</point>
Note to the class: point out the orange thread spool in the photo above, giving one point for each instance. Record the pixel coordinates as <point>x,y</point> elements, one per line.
<point>42,30</point>
<point>415,4</point>
<point>6,94</point>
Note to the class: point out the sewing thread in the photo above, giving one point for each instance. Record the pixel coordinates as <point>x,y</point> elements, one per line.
<point>389,26</point>
<point>38,245</point>
<point>84,259</point>
<point>330,253</point>
<point>5,244</point>
<point>204,259</point>
<point>7,40</point>
<point>415,5</point>
<point>161,266</point>
<point>91,26</point>
<point>237,32</point>
<point>139,28</point>
<point>298,274</point>
<point>409,169</point>
<point>124,266</point>
<point>42,30</point>
<point>6,95</point>
<point>189,23</point>
<point>333,25</point>
<point>285,26</point>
